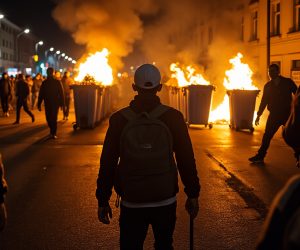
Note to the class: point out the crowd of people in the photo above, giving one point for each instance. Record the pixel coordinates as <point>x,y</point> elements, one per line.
<point>23,91</point>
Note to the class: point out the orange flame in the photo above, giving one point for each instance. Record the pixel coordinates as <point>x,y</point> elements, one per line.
<point>238,77</point>
<point>97,66</point>
<point>186,76</point>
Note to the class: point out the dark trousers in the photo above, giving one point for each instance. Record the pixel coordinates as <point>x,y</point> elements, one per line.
<point>134,223</point>
<point>67,105</point>
<point>4,103</point>
<point>272,125</point>
<point>51,117</point>
<point>22,102</point>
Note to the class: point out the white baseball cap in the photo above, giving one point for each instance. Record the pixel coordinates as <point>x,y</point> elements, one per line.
<point>147,76</point>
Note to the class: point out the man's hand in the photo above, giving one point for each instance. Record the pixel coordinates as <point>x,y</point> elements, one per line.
<point>257,120</point>
<point>104,213</point>
<point>192,207</point>
<point>3,216</point>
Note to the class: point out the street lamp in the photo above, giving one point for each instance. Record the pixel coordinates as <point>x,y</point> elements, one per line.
<point>37,44</point>
<point>25,31</point>
<point>1,16</point>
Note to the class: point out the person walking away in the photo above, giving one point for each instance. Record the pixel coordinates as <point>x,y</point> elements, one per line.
<point>66,82</point>
<point>3,191</point>
<point>52,94</point>
<point>22,92</point>
<point>37,82</point>
<point>5,93</point>
<point>137,159</point>
<point>277,97</point>
<point>29,81</point>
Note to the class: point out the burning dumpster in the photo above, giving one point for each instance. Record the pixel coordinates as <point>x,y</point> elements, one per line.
<point>198,104</point>
<point>91,97</point>
<point>85,103</point>
<point>242,106</point>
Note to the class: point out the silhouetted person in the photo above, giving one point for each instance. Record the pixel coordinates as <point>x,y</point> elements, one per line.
<point>66,82</point>
<point>3,190</point>
<point>5,93</point>
<point>277,97</point>
<point>281,229</point>
<point>51,92</point>
<point>22,92</point>
<point>137,159</point>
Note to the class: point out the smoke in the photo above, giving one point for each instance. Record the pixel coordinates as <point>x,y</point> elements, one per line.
<point>163,31</point>
<point>99,24</point>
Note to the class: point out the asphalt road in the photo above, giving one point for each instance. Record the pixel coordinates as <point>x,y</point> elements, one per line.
<point>51,201</point>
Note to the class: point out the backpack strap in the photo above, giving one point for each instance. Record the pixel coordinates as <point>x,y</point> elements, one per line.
<point>128,113</point>
<point>158,111</point>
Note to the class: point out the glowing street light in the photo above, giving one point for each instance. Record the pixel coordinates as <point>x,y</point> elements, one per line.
<point>37,44</point>
<point>1,16</point>
<point>66,57</point>
<point>58,52</point>
<point>25,31</point>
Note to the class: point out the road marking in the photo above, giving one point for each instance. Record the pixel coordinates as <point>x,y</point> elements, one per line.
<point>246,192</point>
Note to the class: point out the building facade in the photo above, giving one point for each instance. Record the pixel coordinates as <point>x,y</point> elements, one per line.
<point>284,32</point>
<point>16,49</point>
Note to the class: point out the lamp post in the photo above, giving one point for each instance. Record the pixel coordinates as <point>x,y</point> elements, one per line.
<point>37,44</point>
<point>56,57</point>
<point>46,54</point>
<point>25,31</point>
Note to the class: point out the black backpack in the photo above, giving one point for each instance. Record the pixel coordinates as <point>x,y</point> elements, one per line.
<point>147,171</point>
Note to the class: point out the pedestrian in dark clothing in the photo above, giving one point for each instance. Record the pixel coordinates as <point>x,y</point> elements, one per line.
<point>5,93</point>
<point>51,92</point>
<point>66,82</point>
<point>281,229</point>
<point>138,213</point>
<point>22,92</point>
<point>37,82</point>
<point>3,190</point>
<point>277,97</point>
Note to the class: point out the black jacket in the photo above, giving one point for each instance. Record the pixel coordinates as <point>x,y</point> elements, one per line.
<point>22,89</point>
<point>51,92</point>
<point>5,89</point>
<point>278,98</point>
<point>182,148</point>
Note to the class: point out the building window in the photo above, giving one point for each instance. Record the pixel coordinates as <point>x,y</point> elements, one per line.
<point>297,15</point>
<point>254,25</point>
<point>296,65</point>
<point>276,18</point>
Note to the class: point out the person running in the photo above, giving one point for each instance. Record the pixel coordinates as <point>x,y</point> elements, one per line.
<point>22,92</point>
<point>52,94</point>
<point>137,159</point>
<point>277,97</point>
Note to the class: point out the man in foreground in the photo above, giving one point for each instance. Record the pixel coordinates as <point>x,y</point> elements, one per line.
<point>137,159</point>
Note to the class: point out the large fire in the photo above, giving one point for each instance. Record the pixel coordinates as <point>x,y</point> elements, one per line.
<point>185,76</point>
<point>97,67</point>
<point>238,77</point>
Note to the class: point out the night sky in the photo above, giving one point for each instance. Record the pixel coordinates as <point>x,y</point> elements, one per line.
<point>36,15</point>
